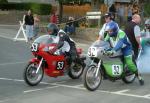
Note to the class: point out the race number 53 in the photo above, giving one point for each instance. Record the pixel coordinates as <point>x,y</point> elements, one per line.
<point>60,65</point>
<point>34,47</point>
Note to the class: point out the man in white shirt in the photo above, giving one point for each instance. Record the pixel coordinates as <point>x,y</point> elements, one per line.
<point>102,32</point>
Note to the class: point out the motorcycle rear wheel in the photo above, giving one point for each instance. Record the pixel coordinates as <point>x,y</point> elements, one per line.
<point>90,81</point>
<point>129,77</point>
<point>75,70</point>
<point>30,76</point>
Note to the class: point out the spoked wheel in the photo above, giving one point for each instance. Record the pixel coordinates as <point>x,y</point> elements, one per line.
<point>75,71</point>
<point>129,77</point>
<point>30,76</point>
<point>91,81</point>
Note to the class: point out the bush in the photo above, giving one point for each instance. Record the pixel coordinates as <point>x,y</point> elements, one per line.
<point>41,9</point>
<point>147,10</point>
<point>3,1</point>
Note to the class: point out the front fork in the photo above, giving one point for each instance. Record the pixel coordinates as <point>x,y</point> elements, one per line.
<point>98,67</point>
<point>39,65</point>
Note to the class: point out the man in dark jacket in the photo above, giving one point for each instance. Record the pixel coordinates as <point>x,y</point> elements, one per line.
<point>133,33</point>
<point>29,22</point>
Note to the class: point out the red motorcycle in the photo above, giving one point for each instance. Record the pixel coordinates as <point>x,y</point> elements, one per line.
<point>53,65</point>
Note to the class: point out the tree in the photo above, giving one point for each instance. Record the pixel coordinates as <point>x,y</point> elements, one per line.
<point>3,1</point>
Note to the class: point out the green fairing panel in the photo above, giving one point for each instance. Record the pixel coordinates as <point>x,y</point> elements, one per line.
<point>113,69</point>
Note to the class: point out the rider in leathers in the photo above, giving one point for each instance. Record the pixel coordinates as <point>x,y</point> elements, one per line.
<point>71,55</point>
<point>119,41</point>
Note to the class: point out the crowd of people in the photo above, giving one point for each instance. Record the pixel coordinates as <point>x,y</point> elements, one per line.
<point>32,24</point>
<point>126,40</point>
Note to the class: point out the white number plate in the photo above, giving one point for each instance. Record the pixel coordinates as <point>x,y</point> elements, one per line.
<point>34,47</point>
<point>116,70</point>
<point>92,52</point>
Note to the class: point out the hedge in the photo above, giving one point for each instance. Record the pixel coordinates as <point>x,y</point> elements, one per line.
<point>42,9</point>
<point>147,9</point>
<point>3,1</point>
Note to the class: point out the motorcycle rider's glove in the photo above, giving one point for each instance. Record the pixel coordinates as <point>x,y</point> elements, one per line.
<point>52,51</point>
<point>110,52</point>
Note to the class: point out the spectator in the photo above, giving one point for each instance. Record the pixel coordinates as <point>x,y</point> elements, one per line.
<point>54,18</point>
<point>121,14</point>
<point>102,32</point>
<point>70,26</point>
<point>36,25</point>
<point>129,18</point>
<point>112,10</point>
<point>29,22</point>
<point>133,33</point>
<point>147,28</point>
<point>135,9</point>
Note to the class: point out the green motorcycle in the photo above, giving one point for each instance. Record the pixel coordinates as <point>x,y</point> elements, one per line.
<point>104,66</point>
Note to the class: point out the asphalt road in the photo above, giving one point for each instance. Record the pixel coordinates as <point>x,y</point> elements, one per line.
<point>13,59</point>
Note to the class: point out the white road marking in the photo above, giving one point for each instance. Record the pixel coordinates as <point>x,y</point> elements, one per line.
<point>13,63</point>
<point>82,88</point>
<point>4,100</point>
<point>9,25</point>
<point>79,85</point>
<point>60,82</point>
<point>148,95</point>
<point>122,91</point>
<point>34,90</point>
<point>18,80</point>
<point>5,37</point>
<point>131,95</point>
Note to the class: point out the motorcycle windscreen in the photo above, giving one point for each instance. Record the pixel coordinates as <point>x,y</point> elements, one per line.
<point>47,39</point>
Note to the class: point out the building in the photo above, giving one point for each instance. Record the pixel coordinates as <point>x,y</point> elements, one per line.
<point>53,2</point>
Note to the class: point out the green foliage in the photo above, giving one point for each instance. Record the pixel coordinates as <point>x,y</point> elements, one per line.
<point>147,10</point>
<point>3,1</point>
<point>42,9</point>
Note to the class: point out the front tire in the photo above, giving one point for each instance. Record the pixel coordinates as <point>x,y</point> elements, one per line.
<point>90,81</point>
<point>30,76</point>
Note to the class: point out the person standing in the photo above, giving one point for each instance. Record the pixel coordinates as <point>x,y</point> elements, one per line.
<point>120,12</point>
<point>129,18</point>
<point>133,33</point>
<point>36,25</point>
<point>102,33</point>
<point>54,18</point>
<point>70,26</point>
<point>112,10</point>
<point>29,22</point>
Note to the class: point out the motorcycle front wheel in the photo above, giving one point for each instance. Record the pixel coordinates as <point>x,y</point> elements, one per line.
<point>91,81</point>
<point>30,76</point>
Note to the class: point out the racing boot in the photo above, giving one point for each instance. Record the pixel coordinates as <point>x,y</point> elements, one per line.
<point>138,75</point>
